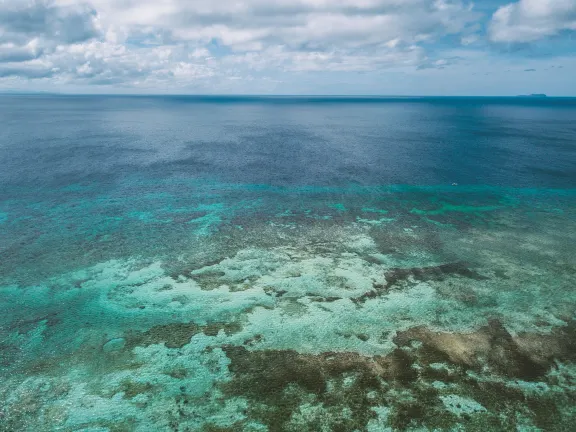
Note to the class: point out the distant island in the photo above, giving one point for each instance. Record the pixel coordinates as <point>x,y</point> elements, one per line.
<point>534,95</point>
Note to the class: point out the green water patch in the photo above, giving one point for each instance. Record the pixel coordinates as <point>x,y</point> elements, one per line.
<point>375,222</point>
<point>374,210</point>
<point>449,208</point>
<point>67,229</point>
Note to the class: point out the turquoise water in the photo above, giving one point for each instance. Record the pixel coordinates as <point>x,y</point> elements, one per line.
<point>249,264</point>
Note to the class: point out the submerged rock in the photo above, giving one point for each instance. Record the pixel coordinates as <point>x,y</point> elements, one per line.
<point>527,356</point>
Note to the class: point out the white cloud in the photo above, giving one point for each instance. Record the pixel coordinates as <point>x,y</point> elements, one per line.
<point>282,58</point>
<point>530,20</point>
<point>33,69</point>
<point>25,20</point>
<point>256,24</point>
<point>175,42</point>
<point>11,52</point>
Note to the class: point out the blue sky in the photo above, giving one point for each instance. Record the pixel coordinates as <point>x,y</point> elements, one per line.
<point>385,47</point>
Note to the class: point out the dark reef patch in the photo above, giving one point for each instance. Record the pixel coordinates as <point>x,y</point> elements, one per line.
<point>432,273</point>
<point>176,335</point>
<point>441,272</point>
<point>26,325</point>
<point>278,382</point>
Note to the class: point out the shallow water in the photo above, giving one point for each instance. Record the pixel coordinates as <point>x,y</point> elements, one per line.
<point>287,264</point>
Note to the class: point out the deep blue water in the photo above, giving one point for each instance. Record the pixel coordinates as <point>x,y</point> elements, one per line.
<point>516,142</point>
<point>162,258</point>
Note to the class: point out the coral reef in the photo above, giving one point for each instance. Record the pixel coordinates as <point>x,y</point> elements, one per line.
<point>322,319</point>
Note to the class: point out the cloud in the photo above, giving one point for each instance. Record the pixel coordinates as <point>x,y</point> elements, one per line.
<point>24,20</point>
<point>230,46</point>
<point>30,70</point>
<point>33,31</point>
<point>10,52</point>
<point>179,44</point>
<point>531,20</point>
<point>442,63</point>
<point>252,25</point>
<point>147,43</point>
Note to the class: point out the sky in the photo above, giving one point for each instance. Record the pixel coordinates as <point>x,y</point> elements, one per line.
<point>343,47</point>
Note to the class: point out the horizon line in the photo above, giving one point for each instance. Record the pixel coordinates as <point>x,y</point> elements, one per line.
<point>538,96</point>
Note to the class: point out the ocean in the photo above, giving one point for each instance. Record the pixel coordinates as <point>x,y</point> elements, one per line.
<point>179,263</point>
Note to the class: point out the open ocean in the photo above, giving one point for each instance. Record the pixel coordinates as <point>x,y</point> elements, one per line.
<point>287,264</point>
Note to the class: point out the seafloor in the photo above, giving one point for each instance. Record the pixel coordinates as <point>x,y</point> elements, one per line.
<point>274,309</point>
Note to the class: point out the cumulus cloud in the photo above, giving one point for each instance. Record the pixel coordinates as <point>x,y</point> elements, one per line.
<point>31,70</point>
<point>531,20</point>
<point>22,21</point>
<point>146,42</point>
<point>257,24</point>
<point>32,31</point>
<point>11,52</point>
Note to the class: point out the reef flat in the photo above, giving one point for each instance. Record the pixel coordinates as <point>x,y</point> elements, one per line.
<point>393,308</point>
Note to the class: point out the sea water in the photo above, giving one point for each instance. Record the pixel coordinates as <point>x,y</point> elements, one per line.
<point>287,264</point>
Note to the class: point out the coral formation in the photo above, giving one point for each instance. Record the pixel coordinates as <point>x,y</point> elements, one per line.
<point>313,319</point>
